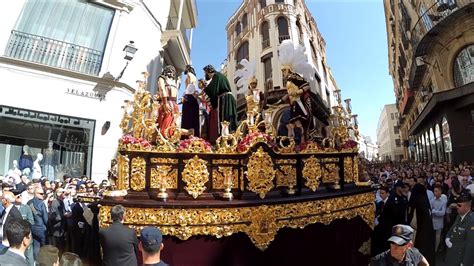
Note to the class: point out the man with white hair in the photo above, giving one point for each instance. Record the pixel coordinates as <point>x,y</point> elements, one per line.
<point>10,213</point>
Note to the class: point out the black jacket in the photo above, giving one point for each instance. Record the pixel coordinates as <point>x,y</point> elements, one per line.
<point>14,214</point>
<point>119,245</point>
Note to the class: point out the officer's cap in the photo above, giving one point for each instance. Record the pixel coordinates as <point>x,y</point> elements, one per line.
<point>401,234</point>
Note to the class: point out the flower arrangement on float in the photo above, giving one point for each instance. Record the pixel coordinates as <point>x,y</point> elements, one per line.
<point>253,138</point>
<point>349,145</point>
<point>132,143</point>
<point>194,144</point>
<point>309,146</point>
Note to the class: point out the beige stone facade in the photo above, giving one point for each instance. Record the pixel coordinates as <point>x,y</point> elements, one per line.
<point>388,135</point>
<point>431,60</point>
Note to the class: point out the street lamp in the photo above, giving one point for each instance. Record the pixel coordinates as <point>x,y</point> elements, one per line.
<point>129,51</point>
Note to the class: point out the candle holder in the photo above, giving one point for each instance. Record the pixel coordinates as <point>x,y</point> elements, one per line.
<point>163,195</point>
<point>227,195</point>
<point>290,190</point>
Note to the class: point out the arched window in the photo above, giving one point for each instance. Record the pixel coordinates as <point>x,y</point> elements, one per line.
<point>264,30</point>
<point>300,32</point>
<point>434,156</point>
<point>427,147</point>
<point>263,3</point>
<point>314,54</point>
<point>464,66</point>
<point>243,52</point>
<point>238,29</point>
<point>244,21</point>
<point>439,144</point>
<point>283,33</point>
<point>446,139</point>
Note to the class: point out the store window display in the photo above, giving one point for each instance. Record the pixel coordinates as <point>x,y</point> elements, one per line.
<point>26,161</point>
<point>36,167</point>
<point>14,170</point>
<point>50,162</point>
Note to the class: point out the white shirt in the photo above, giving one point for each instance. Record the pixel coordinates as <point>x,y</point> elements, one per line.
<point>25,197</point>
<point>438,210</point>
<point>430,194</point>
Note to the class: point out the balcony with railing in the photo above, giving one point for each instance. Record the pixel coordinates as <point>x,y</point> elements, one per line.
<point>55,53</point>
<point>433,21</point>
<point>281,38</point>
<point>265,43</point>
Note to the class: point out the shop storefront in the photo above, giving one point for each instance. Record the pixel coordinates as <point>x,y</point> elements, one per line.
<point>64,142</point>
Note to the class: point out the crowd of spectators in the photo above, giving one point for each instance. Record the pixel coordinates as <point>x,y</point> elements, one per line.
<point>435,199</point>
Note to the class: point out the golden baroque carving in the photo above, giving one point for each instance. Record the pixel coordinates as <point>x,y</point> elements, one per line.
<point>123,172</point>
<point>348,170</point>
<point>164,171</point>
<point>260,173</point>
<point>195,175</point>
<point>286,161</point>
<point>260,223</point>
<point>137,181</point>
<point>226,144</point>
<point>312,173</point>
<point>330,173</point>
<point>164,160</point>
<point>218,177</point>
<point>290,148</point>
<point>286,176</point>
<point>225,161</point>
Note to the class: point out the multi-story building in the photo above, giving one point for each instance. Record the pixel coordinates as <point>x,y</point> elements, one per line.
<point>388,134</point>
<point>431,60</point>
<point>67,67</point>
<point>367,148</point>
<point>255,31</point>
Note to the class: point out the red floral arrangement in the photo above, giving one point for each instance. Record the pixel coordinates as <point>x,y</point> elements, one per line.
<point>185,144</point>
<point>129,139</point>
<point>303,145</point>
<point>253,138</point>
<point>350,144</point>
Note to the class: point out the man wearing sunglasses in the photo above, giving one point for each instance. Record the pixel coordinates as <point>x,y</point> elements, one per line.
<point>401,250</point>
<point>460,238</point>
<point>40,215</point>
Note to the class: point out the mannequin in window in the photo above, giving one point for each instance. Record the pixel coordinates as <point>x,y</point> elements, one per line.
<point>14,170</point>
<point>26,161</point>
<point>190,116</point>
<point>50,162</point>
<point>36,167</point>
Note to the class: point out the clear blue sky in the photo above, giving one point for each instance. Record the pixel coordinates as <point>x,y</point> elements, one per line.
<point>356,48</point>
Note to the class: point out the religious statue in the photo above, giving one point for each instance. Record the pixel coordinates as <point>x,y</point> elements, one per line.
<point>245,76</point>
<point>222,100</point>
<point>303,102</point>
<point>167,94</point>
<point>190,112</point>
<point>204,110</point>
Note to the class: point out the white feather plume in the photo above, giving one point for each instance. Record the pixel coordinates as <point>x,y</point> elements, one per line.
<point>246,73</point>
<point>295,57</point>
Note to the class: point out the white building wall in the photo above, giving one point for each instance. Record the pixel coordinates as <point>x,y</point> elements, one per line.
<point>386,136</point>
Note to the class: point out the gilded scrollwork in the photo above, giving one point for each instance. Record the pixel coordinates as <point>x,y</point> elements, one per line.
<point>261,223</point>
<point>218,177</point>
<point>286,161</point>
<point>137,182</point>
<point>286,176</point>
<point>123,172</point>
<point>312,172</point>
<point>226,144</point>
<point>164,160</point>
<point>195,175</point>
<point>164,171</point>
<point>260,173</point>
<point>225,161</point>
<point>348,170</point>
<point>330,173</point>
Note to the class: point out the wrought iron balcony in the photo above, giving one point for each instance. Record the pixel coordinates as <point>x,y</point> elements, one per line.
<point>55,53</point>
<point>281,38</point>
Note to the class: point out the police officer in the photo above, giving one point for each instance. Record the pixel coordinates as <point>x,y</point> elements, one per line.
<point>401,250</point>
<point>460,237</point>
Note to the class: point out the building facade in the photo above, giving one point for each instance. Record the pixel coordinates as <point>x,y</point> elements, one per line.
<point>431,61</point>
<point>367,148</point>
<point>66,70</point>
<point>255,31</point>
<point>388,135</point>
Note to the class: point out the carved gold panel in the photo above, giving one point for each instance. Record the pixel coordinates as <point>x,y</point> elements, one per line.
<point>137,181</point>
<point>261,223</point>
<point>164,160</point>
<point>286,161</point>
<point>286,176</point>
<point>195,175</point>
<point>348,170</point>
<point>225,161</point>
<point>123,177</point>
<point>164,171</point>
<point>218,177</point>
<point>312,173</point>
<point>330,173</point>
<point>260,173</point>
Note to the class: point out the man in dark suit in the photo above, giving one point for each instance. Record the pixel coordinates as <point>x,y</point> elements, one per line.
<point>119,243</point>
<point>40,216</point>
<point>10,212</point>
<point>57,221</point>
<point>19,237</point>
